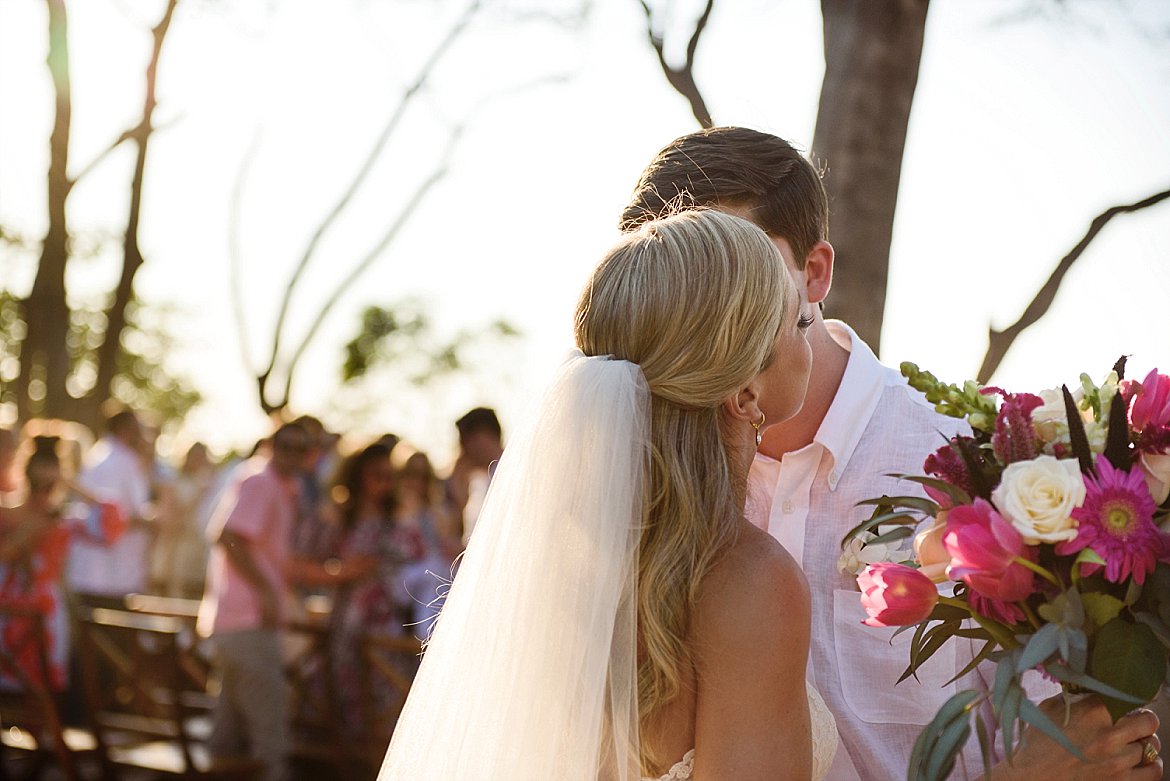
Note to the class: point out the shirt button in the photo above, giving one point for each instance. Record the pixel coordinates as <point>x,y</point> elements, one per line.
<point>787,507</point>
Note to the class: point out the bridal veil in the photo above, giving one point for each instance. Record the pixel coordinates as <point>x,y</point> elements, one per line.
<point>530,672</point>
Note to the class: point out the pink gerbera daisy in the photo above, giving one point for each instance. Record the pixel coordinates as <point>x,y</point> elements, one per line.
<point>1117,522</point>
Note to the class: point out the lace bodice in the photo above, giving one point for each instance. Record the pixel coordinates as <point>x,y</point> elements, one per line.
<point>824,743</point>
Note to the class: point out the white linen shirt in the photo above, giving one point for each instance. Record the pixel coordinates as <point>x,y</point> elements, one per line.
<point>877,425</point>
<point>115,474</point>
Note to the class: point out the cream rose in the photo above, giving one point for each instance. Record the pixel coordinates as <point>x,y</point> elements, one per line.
<point>1038,497</point>
<point>930,552</point>
<point>1156,470</point>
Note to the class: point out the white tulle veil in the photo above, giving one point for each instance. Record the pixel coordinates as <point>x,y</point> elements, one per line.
<point>530,672</point>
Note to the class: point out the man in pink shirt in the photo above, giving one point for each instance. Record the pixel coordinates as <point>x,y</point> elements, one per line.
<point>860,421</point>
<point>243,606</point>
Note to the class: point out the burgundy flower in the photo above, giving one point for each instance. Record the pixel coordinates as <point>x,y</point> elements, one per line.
<point>1015,437</point>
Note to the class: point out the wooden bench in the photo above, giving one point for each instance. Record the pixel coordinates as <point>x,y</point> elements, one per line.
<point>147,698</point>
<point>32,736</point>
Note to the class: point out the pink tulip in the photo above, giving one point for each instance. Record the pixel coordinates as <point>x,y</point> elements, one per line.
<point>1149,402</point>
<point>895,595</point>
<point>983,548</point>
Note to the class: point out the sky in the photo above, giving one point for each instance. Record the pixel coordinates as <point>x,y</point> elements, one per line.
<point>1030,118</point>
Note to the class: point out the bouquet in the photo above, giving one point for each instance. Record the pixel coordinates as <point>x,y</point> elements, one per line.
<point>1040,539</point>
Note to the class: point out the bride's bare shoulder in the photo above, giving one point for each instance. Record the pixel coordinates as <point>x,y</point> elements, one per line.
<point>755,590</point>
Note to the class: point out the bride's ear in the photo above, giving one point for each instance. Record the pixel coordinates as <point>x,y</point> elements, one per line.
<point>744,405</point>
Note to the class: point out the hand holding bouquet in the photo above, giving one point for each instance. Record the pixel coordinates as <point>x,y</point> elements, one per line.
<point>1046,528</point>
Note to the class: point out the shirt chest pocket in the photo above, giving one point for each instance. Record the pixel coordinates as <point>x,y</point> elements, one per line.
<point>869,663</point>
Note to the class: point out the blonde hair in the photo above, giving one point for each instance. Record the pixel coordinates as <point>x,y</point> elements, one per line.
<point>696,300</point>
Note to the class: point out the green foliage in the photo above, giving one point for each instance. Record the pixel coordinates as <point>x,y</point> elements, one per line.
<point>1128,657</point>
<point>143,379</point>
<point>402,336</point>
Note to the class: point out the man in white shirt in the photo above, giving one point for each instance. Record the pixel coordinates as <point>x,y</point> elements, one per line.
<point>860,421</point>
<point>115,471</point>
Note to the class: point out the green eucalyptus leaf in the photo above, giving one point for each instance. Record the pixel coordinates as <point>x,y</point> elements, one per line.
<point>1130,658</point>
<point>1101,608</point>
<point>1042,645</point>
<point>942,737</point>
<point>1083,681</point>
<point>986,745</point>
<point>1009,714</point>
<point>1004,672</point>
<point>1160,630</point>
<point>1032,715</point>
<point>946,749</point>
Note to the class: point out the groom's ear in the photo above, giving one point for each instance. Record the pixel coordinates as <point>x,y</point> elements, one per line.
<point>744,405</point>
<point>818,272</point>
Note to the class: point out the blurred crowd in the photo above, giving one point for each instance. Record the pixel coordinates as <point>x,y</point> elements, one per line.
<point>307,526</point>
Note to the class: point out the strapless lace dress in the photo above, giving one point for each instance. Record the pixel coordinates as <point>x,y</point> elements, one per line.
<point>824,743</point>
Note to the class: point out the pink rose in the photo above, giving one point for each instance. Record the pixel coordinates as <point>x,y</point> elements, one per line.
<point>1149,402</point>
<point>895,595</point>
<point>983,547</point>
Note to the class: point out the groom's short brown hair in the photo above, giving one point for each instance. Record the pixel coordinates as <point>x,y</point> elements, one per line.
<point>736,167</point>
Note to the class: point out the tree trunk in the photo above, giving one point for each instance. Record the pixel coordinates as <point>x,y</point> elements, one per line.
<point>872,53</point>
<point>44,354</point>
<point>111,349</point>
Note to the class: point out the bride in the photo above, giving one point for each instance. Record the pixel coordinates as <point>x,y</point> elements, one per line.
<point>615,618</point>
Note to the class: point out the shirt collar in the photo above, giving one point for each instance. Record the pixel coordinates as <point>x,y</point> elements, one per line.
<point>855,400</point>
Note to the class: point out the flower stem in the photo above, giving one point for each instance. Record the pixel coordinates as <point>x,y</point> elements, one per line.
<point>1031,614</point>
<point>1038,570</point>
<point>999,633</point>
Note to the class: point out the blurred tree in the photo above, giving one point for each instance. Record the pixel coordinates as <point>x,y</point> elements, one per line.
<point>65,361</point>
<point>873,51</point>
<point>381,327</point>
<point>402,335</point>
<point>143,379</point>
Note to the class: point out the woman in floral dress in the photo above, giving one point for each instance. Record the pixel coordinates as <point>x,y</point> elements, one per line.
<point>35,537</point>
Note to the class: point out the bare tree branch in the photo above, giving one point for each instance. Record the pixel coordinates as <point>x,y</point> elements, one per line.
<point>400,110</point>
<point>359,268</point>
<point>683,79</point>
<point>999,342</point>
<point>132,259</point>
<point>127,135</point>
<point>235,257</point>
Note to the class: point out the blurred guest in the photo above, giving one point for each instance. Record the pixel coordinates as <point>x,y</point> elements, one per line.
<point>367,570</point>
<point>430,535</point>
<point>8,480</point>
<point>480,446</point>
<point>179,555</point>
<point>314,532</point>
<point>244,607</point>
<point>115,472</point>
<point>35,539</point>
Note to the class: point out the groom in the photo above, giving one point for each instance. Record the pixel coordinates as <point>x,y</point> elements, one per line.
<point>860,422</point>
